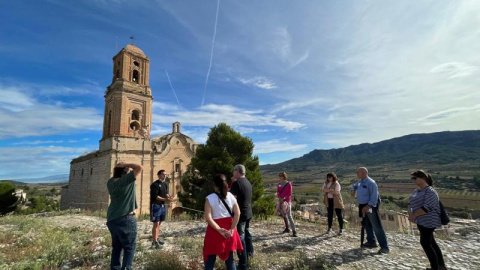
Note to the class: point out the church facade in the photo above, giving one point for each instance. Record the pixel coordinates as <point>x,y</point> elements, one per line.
<point>126,138</point>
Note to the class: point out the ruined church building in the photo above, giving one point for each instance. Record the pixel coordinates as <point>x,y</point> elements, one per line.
<point>126,138</point>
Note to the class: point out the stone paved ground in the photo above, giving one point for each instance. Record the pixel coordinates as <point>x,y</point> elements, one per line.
<point>406,253</point>
<point>461,252</point>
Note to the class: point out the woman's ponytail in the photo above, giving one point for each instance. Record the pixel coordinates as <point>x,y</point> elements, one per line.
<point>220,182</point>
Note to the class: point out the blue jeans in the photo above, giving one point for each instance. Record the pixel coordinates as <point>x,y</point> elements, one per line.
<point>373,224</point>
<point>124,237</point>
<point>243,229</point>
<point>229,263</point>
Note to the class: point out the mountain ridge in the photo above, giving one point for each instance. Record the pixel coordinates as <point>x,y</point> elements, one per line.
<point>437,148</point>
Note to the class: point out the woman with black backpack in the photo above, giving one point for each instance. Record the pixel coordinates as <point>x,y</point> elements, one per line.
<point>424,210</point>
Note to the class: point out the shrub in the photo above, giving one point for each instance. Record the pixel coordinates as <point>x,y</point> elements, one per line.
<point>7,199</point>
<point>164,260</point>
<point>264,206</point>
<point>302,262</point>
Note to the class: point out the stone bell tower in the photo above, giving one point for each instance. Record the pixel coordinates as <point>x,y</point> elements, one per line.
<point>128,99</point>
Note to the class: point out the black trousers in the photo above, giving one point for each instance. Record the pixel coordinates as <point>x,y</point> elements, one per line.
<point>433,252</point>
<point>338,211</point>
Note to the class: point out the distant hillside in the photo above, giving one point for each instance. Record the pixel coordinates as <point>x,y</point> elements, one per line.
<point>434,148</point>
<point>60,178</point>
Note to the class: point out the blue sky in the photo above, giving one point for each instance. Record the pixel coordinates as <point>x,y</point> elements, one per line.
<point>292,75</point>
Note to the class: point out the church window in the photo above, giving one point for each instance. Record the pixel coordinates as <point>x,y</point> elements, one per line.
<point>135,76</point>
<point>91,171</point>
<point>82,172</point>
<point>135,115</point>
<point>177,167</point>
<point>135,63</point>
<point>118,74</point>
<point>109,122</point>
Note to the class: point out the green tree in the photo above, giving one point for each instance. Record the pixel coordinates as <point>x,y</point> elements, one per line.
<point>8,201</point>
<point>223,150</point>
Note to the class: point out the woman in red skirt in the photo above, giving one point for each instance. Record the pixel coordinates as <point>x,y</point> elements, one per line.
<point>222,214</point>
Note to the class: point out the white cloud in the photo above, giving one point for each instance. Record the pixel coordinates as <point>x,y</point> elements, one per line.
<point>277,145</point>
<point>282,41</point>
<point>157,130</point>
<point>259,82</point>
<point>14,100</point>
<point>164,106</point>
<point>297,104</point>
<point>28,162</point>
<point>49,142</point>
<point>300,60</point>
<point>450,113</point>
<point>37,142</point>
<point>23,116</point>
<point>212,114</point>
<point>47,120</point>
<point>454,70</point>
<point>250,130</point>
<point>410,75</point>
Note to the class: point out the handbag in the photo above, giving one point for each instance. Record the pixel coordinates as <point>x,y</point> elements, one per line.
<point>444,217</point>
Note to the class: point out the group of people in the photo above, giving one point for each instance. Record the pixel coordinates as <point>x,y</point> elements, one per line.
<point>228,212</point>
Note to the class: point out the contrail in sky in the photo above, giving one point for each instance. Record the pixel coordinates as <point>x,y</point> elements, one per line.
<point>211,55</point>
<point>173,90</point>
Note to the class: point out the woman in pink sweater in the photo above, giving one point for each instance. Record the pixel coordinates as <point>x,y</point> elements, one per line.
<point>284,194</point>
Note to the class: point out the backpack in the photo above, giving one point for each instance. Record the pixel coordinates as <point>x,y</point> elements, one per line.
<point>444,217</point>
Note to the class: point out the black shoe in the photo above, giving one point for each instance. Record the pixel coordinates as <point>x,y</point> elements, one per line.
<point>340,232</point>
<point>329,230</point>
<point>368,245</point>
<point>287,230</point>
<point>160,242</point>
<point>156,245</point>
<point>383,251</point>
<point>294,234</point>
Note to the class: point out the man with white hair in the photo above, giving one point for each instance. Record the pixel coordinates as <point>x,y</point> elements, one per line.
<point>242,190</point>
<point>368,199</point>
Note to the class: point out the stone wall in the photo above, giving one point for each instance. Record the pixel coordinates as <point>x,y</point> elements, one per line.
<point>89,190</point>
<point>87,186</point>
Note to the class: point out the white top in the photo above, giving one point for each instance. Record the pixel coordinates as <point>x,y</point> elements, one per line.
<point>218,208</point>
<point>337,188</point>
